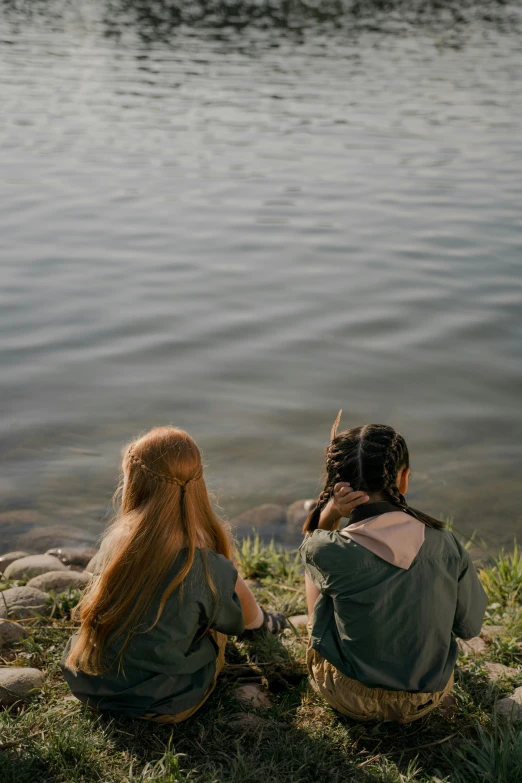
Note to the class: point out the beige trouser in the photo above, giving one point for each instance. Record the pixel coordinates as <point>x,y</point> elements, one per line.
<point>221,641</point>
<point>355,700</point>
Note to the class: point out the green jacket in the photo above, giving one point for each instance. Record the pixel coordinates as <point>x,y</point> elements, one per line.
<point>168,669</point>
<point>385,626</point>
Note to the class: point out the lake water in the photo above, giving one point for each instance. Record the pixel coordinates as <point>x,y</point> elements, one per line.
<point>240,219</point>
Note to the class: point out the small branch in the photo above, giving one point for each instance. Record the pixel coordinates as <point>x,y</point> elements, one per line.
<point>13,743</point>
<point>427,744</point>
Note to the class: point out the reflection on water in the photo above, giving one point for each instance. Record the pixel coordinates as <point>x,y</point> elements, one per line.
<point>239,217</point>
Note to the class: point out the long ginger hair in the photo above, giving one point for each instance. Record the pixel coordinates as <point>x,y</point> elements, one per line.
<point>165,508</point>
<point>370,458</point>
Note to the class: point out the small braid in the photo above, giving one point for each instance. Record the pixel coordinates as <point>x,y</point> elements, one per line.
<point>161,476</point>
<point>369,458</point>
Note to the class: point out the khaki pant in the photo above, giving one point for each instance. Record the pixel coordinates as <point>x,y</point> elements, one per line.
<point>355,700</point>
<point>221,641</point>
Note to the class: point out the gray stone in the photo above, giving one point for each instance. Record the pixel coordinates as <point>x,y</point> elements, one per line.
<point>496,670</point>
<point>9,558</point>
<point>95,563</point>
<point>296,515</point>
<point>267,520</point>
<point>490,632</point>
<point>252,695</point>
<point>33,565</point>
<point>22,602</point>
<point>59,581</point>
<point>299,620</point>
<point>44,537</point>
<point>18,682</point>
<point>511,706</point>
<point>75,556</point>
<point>247,722</point>
<point>10,633</point>
<point>475,646</point>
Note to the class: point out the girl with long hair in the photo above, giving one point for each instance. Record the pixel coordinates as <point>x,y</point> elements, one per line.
<point>154,620</point>
<point>388,593</point>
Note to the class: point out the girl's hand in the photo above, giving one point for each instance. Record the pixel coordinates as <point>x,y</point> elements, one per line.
<point>345,499</point>
<point>341,504</point>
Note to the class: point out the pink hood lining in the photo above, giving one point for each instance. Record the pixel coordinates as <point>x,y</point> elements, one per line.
<point>395,537</point>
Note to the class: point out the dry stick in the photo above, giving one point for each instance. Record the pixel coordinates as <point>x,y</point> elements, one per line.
<point>427,744</point>
<point>13,743</point>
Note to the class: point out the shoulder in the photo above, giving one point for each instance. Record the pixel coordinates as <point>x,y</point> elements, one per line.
<point>443,544</point>
<point>220,566</point>
<point>326,548</point>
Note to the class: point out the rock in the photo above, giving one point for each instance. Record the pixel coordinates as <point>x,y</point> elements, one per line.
<point>490,632</point>
<point>296,515</point>
<point>94,564</point>
<point>252,695</point>
<point>267,520</point>
<point>10,633</point>
<point>254,583</point>
<point>76,556</point>
<point>18,682</point>
<point>23,602</point>
<point>44,537</point>
<point>247,722</point>
<point>9,558</point>
<point>60,581</point>
<point>299,620</point>
<point>32,566</point>
<point>496,670</point>
<point>511,706</point>
<point>474,646</point>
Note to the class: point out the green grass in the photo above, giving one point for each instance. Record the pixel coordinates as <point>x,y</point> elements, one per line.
<point>298,739</point>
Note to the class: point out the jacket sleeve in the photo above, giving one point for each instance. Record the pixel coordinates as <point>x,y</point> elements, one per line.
<point>224,612</point>
<point>471,600</point>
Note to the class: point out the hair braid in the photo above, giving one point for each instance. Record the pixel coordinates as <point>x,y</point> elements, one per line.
<point>369,458</point>
<point>161,476</point>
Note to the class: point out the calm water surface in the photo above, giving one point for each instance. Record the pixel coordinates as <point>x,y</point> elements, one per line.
<point>240,221</point>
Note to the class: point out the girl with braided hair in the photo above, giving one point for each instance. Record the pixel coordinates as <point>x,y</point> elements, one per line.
<point>155,617</point>
<point>387,594</point>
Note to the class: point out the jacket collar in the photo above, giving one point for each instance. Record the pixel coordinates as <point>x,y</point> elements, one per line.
<point>368,510</point>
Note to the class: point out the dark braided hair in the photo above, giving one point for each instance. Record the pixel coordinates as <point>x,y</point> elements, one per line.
<point>369,458</point>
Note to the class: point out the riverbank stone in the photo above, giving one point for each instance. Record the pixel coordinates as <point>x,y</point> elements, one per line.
<point>18,683</point>
<point>299,620</point>
<point>94,564</point>
<point>33,565</point>
<point>10,633</point>
<point>59,581</point>
<point>267,520</point>
<point>18,603</point>
<point>10,557</point>
<point>252,696</point>
<point>496,670</point>
<point>73,556</point>
<point>296,515</point>
<point>475,646</point>
<point>44,537</point>
<point>511,706</point>
<point>490,632</point>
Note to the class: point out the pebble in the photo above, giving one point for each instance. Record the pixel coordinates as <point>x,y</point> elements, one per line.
<point>299,620</point>
<point>10,633</point>
<point>267,520</point>
<point>511,706</point>
<point>76,556</point>
<point>496,670</point>
<point>22,602</point>
<point>490,632</point>
<point>474,646</point>
<point>18,682</point>
<point>59,581</point>
<point>246,721</point>
<point>32,566</point>
<point>94,564</point>
<point>9,558</point>
<point>252,695</point>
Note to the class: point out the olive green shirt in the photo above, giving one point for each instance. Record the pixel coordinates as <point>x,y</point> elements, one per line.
<point>168,669</point>
<point>386,626</point>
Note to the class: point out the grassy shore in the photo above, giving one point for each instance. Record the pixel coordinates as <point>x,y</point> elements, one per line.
<point>298,738</point>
